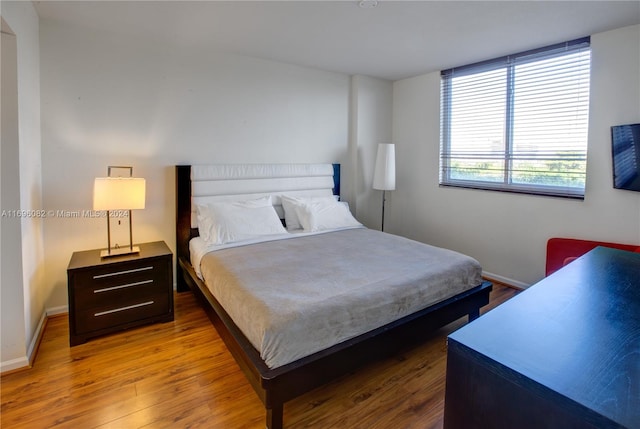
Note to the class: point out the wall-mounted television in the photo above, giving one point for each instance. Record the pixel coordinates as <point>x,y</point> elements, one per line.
<point>625,149</point>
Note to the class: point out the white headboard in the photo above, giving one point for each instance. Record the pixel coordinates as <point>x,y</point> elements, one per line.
<point>229,182</point>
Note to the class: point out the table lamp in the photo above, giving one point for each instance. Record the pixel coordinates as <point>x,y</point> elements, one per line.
<point>118,193</point>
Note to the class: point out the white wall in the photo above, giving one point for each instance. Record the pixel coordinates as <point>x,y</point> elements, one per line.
<point>11,296</point>
<point>25,313</point>
<point>507,233</point>
<point>109,100</point>
<point>371,124</point>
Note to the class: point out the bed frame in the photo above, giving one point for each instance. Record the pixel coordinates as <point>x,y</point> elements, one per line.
<point>279,385</point>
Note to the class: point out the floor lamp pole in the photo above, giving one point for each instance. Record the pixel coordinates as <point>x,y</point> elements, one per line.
<point>383,201</point>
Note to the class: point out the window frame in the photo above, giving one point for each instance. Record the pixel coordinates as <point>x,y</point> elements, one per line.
<point>509,62</point>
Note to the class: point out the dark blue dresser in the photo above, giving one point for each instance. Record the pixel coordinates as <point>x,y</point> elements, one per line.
<point>565,353</point>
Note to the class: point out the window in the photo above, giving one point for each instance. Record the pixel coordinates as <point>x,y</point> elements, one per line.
<point>518,123</point>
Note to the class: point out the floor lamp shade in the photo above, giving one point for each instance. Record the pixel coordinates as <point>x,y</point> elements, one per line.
<point>384,177</point>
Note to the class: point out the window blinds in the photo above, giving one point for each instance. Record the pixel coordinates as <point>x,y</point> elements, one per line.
<point>518,123</point>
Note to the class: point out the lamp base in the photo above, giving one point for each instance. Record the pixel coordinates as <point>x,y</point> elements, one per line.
<point>119,251</point>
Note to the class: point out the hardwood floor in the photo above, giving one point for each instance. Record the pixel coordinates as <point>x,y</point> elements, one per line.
<point>179,375</point>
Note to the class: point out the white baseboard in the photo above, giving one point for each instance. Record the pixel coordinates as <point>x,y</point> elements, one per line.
<point>511,282</point>
<point>37,336</point>
<point>26,361</point>
<point>13,364</point>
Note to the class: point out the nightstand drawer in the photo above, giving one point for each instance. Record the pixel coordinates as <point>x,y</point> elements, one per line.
<point>125,312</point>
<point>100,289</point>
<point>119,294</point>
<point>107,276</point>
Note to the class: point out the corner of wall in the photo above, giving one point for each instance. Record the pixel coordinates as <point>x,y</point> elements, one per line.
<point>24,22</point>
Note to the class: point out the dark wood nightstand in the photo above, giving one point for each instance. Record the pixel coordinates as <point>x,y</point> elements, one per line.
<point>120,292</point>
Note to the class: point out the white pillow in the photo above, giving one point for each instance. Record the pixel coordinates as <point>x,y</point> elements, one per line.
<point>289,205</point>
<point>228,222</point>
<point>322,215</point>
<point>205,219</point>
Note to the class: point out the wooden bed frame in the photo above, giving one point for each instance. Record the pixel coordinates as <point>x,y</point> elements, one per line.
<point>279,385</point>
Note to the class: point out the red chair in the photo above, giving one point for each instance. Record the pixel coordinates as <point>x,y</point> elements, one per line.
<point>561,251</point>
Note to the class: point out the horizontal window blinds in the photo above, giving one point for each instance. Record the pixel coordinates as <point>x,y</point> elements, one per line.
<point>518,123</point>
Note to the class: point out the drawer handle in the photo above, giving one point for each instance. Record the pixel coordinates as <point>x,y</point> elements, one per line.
<point>137,270</point>
<point>107,289</point>
<point>115,310</point>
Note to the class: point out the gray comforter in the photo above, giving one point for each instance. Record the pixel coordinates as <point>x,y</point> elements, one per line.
<point>294,297</point>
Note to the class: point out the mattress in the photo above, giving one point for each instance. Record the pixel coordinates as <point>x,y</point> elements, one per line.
<point>297,296</point>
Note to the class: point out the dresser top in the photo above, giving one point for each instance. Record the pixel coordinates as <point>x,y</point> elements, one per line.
<point>577,333</point>
<point>91,258</point>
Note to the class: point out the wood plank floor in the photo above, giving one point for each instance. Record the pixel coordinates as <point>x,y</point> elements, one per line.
<point>180,375</point>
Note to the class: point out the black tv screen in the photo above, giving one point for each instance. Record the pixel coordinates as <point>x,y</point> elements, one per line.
<point>625,144</point>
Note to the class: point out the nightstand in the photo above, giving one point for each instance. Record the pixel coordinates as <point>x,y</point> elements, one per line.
<point>111,294</point>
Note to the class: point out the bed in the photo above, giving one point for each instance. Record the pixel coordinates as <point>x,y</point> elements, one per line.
<point>303,305</point>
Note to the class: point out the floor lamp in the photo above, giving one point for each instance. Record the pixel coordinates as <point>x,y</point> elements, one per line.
<point>384,176</point>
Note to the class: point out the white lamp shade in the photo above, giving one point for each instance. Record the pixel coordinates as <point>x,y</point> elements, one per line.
<point>118,193</point>
<point>384,176</point>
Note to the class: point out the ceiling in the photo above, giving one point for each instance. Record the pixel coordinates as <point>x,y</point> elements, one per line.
<point>395,40</point>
